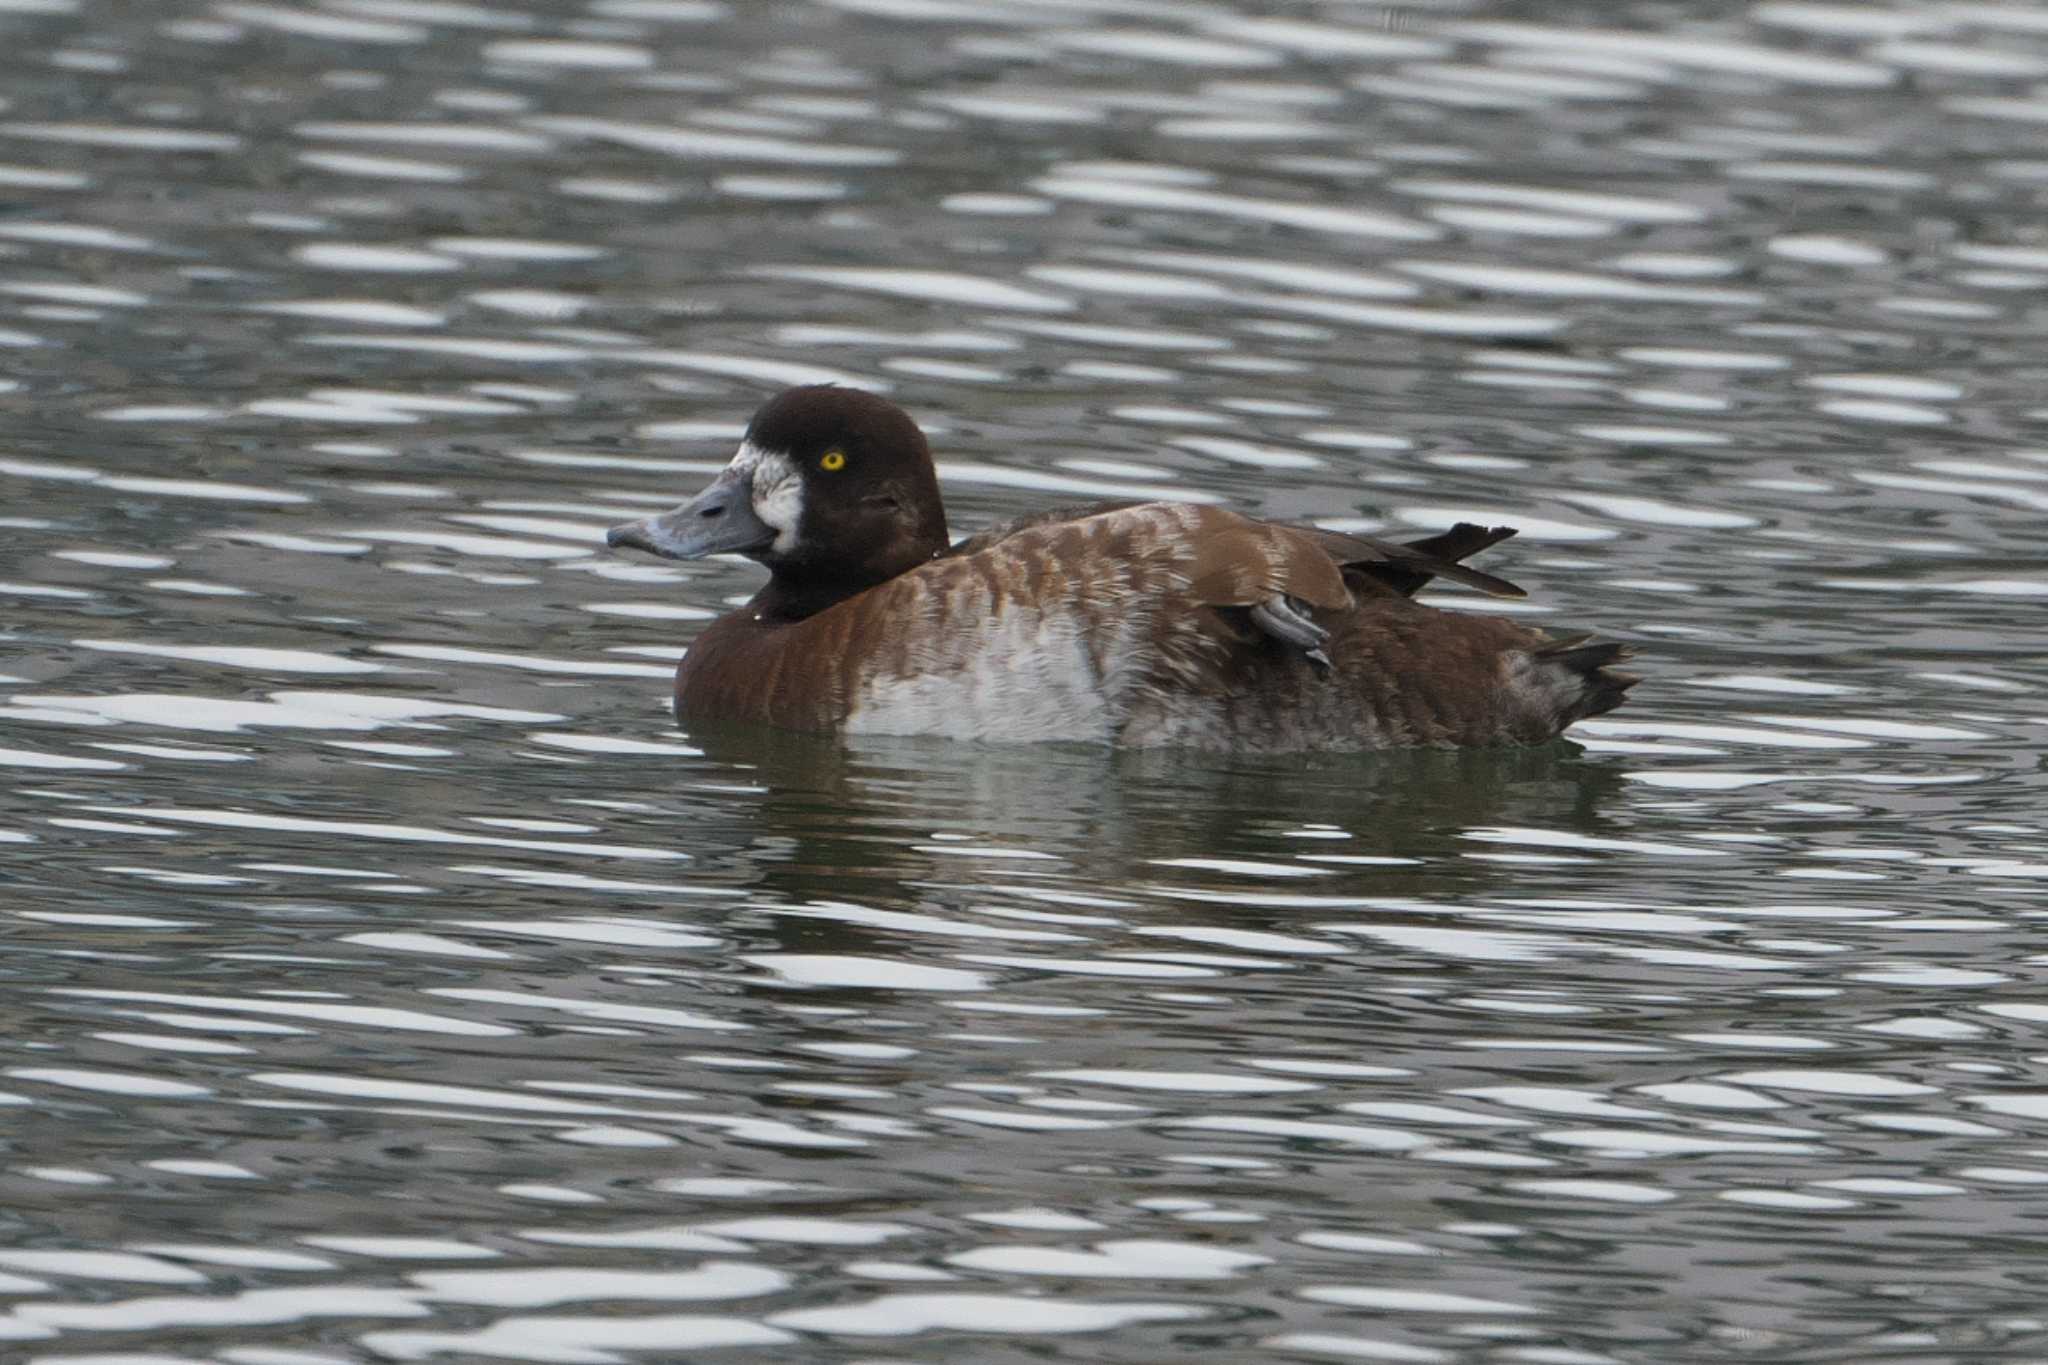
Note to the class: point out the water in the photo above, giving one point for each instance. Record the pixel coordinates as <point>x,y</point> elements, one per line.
<point>388,980</point>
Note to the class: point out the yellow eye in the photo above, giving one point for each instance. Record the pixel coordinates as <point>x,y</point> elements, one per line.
<point>832,462</point>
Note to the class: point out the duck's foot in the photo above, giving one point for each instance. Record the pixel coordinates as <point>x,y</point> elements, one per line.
<point>1285,620</point>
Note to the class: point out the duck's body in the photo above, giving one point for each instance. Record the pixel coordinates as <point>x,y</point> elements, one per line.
<point>1156,624</point>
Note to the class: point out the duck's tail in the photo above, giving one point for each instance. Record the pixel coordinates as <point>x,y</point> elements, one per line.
<point>1586,662</point>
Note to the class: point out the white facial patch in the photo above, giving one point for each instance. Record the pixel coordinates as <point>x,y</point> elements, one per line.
<point>778,491</point>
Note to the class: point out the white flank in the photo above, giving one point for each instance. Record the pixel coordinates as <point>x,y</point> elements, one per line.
<point>1027,677</point>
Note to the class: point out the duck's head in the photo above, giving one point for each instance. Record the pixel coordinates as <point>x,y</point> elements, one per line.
<point>832,489</point>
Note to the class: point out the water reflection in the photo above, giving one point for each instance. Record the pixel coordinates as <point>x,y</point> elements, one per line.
<point>824,815</point>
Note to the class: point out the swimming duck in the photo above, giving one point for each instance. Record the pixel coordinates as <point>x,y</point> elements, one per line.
<point>1132,624</point>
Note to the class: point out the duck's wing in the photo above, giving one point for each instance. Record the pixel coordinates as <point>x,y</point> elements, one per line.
<point>1180,572</point>
<point>1272,576</point>
<point>1404,566</point>
<point>1267,578</point>
<point>1407,566</point>
<point>1252,580</point>
<point>1051,516</point>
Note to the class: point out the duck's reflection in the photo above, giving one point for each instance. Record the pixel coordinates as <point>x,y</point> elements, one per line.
<point>890,822</point>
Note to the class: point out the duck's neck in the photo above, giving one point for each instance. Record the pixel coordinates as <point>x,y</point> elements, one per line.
<point>786,598</point>
<point>794,592</point>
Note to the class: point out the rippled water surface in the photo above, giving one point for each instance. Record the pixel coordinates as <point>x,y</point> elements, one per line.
<point>386,979</point>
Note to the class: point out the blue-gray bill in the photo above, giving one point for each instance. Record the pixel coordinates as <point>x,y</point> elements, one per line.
<point>718,521</point>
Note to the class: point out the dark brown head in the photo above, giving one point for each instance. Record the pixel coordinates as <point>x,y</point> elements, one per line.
<point>833,489</point>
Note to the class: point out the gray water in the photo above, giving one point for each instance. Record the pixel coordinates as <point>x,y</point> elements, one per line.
<point>386,979</point>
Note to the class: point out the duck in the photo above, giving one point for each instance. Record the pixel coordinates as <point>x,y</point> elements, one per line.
<point>1139,625</point>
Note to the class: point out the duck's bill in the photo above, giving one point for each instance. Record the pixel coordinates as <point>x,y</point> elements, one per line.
<point>718,521</point>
